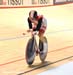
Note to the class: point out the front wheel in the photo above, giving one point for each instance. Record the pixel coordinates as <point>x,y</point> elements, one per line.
<point>43,46</point>
<point>30,51</point>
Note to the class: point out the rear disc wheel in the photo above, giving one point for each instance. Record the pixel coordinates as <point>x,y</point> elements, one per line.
<point>43,46</point>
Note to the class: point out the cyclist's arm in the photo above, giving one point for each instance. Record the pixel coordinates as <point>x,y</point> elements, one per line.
<point>29,23</point>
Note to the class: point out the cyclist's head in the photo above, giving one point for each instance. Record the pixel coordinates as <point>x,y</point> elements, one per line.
<point>33,14</point>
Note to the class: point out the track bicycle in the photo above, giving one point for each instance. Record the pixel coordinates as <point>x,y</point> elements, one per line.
<point>33,48</point>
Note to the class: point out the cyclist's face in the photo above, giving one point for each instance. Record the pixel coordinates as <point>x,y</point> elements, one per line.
<point>32,19</point>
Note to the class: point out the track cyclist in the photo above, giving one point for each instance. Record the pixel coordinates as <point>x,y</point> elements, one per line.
<point>37,23</point>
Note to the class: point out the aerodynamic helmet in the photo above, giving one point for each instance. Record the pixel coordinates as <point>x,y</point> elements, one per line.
<point>33,14</point>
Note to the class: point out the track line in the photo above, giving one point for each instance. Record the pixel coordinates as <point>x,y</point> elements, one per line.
<point>61,49</point>
<point>45,65</point>
<point>24,58</point>
<point>12,61</point>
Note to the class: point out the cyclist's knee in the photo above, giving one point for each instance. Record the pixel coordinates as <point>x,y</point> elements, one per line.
<point>41,37</point>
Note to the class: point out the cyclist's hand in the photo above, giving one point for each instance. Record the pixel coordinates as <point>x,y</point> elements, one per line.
<point>30,30</point>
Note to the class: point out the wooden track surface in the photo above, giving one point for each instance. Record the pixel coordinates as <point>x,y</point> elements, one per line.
<point>13,44</point>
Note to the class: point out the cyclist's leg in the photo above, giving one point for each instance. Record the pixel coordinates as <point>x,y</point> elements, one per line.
<point>41,33</point>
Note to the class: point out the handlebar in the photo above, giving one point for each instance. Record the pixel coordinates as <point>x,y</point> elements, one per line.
<point>32,32</point>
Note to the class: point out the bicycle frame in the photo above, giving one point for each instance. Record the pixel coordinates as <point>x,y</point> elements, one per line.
<point>35,38</point>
